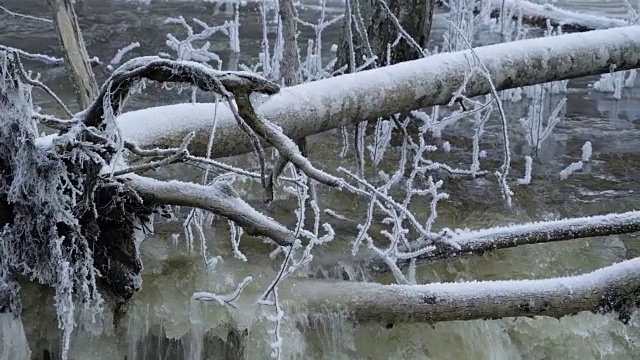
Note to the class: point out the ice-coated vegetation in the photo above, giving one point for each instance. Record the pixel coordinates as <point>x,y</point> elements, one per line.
<point>77,204</point>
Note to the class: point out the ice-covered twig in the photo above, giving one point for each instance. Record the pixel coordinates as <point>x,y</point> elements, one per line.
<point>46,59</point>
<point>526,180</point>
<point>24,16</point>
<point>117,58</point>
<point>37,57</point>
<point>506,165</point>
<point>225,299</point>
<point>587,151</point>
<point>177,155</point>
<point>573,167</point>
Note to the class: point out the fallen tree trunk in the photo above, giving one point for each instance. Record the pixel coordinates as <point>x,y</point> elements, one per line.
<point>327,104</point>
<point>614,288</point>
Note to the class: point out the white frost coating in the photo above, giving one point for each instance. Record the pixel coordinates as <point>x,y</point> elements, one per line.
<point>615,82</point>
<point>526,180</point>
<point>476,238</point>
<point>481,289</point>
<point>587,151</point>
<point>321,105</point>
<point>573,167</point>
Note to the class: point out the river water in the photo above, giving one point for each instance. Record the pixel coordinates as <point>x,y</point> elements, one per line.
<point>161,322</point>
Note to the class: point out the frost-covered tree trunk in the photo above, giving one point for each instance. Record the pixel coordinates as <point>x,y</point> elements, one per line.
<point>391,30</point>
<point>312,108</point>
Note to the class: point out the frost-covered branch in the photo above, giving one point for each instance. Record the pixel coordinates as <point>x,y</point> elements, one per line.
<point>613,288</point>
<point>123,79</point>
<point>24,16</point>
<point>219,198</point>
<point>326,104</point>
<point>478,242</point>
<point>538,14</point>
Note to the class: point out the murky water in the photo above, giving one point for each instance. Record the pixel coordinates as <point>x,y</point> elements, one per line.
<point>161,323</point>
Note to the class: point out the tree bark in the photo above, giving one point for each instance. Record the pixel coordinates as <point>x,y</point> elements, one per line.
<point>614,288</point>
<point>75,52</point>
<point>381,22</point>
<point>291,55</point>
<point>327,104</point>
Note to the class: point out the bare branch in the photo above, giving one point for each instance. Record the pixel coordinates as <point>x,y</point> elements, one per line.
<point>53,122</point>
<point>36,83</point>
<point>286,147</point>
<point>178,155</point>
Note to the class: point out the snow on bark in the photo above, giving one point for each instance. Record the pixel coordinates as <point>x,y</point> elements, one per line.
<point>326,104</point>
<point>613,288</point>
